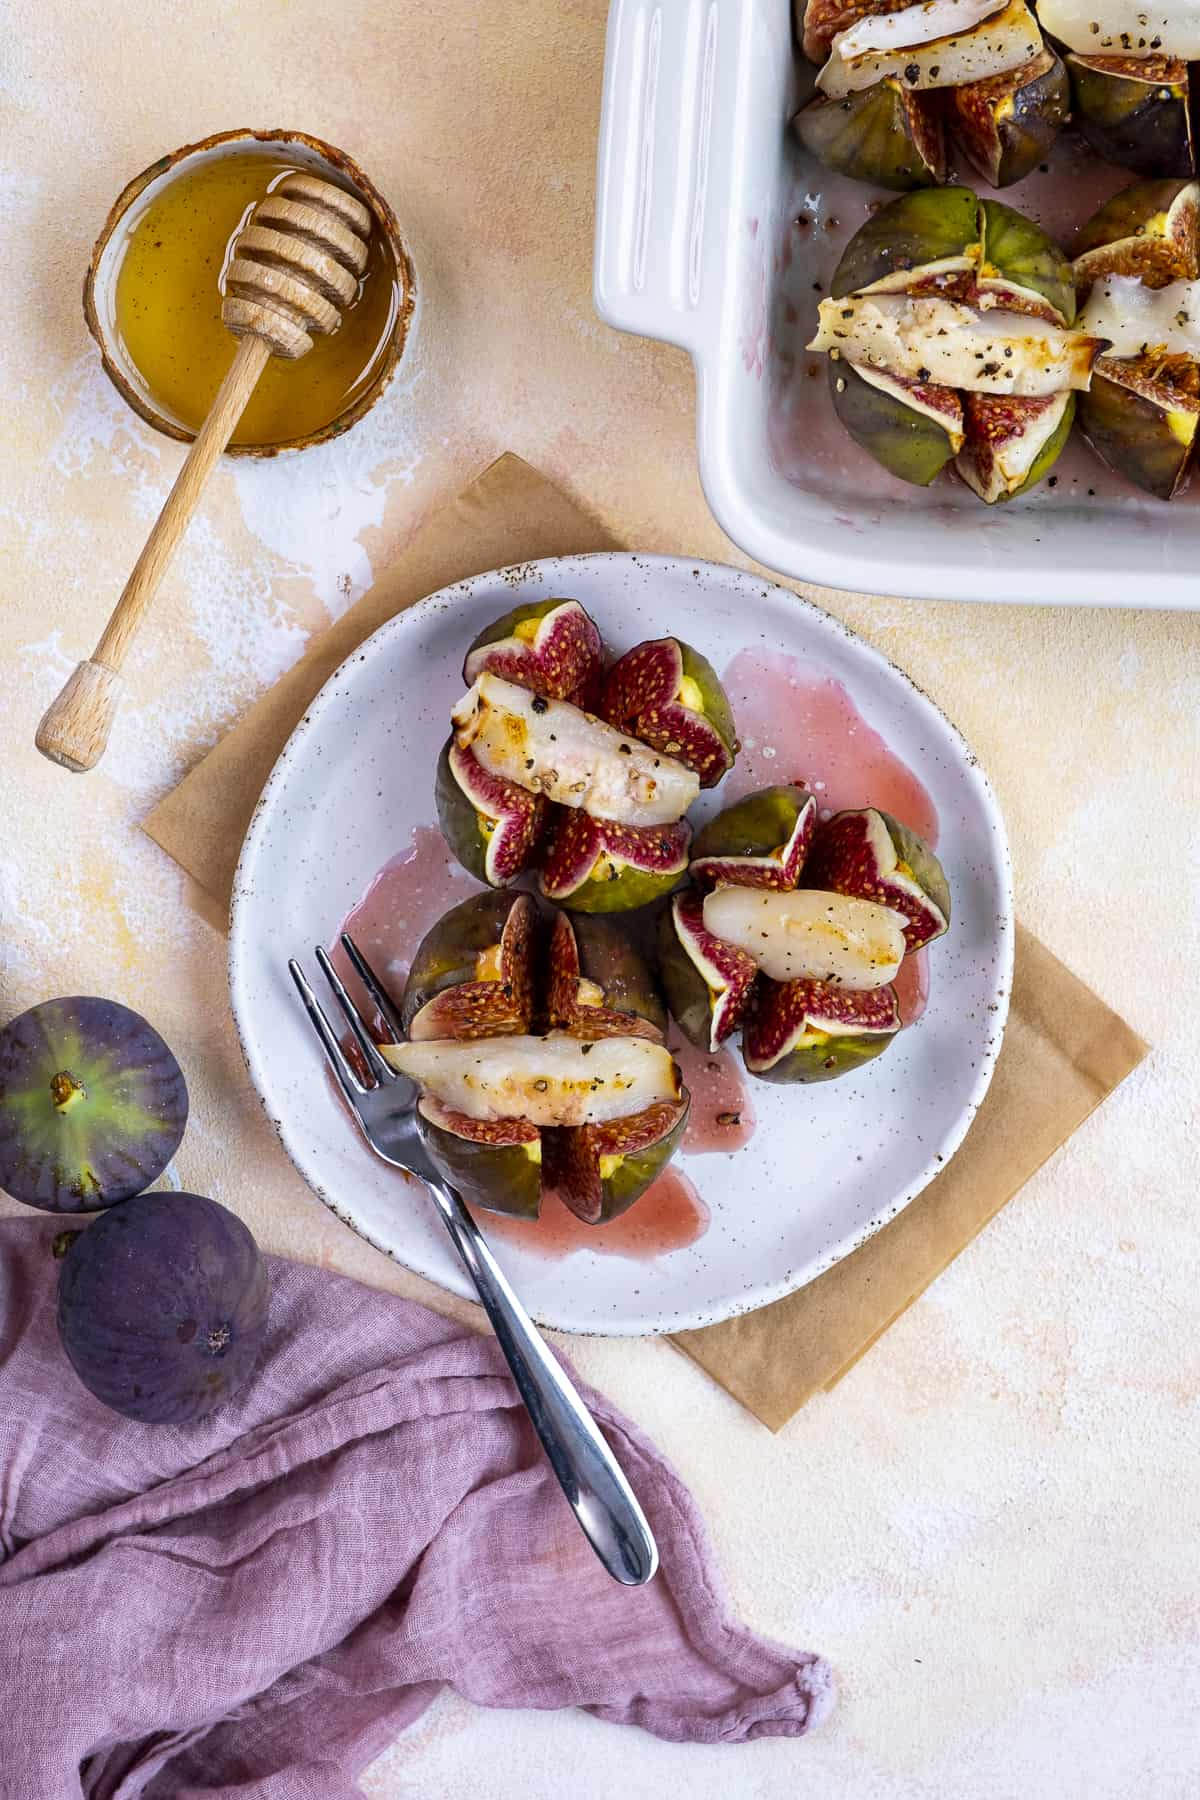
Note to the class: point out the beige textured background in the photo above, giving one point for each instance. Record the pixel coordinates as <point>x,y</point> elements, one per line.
<point>991,1526</point>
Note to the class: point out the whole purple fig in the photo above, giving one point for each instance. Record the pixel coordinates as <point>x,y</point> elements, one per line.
<point>162,1307</point>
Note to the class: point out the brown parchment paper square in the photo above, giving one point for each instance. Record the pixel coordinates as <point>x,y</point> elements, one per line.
<point>1064,1049</point>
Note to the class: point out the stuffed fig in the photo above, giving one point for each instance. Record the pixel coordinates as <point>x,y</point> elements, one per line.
<point>1138,271</point>
<point>575,1090</point>
<point>793,930</point>
<point>162,1307</point>
<point>1132,93</point>
<point>92,1105</point>
<point>584,776</point>
<point>949,333</point>
<point>897,77</point>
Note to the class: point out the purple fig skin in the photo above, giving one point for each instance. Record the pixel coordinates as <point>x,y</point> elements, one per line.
<point>562,660</point>
<point>486,1160</point>
<point>162,1307</point>
<point>708,981</point>
<point>761,841</point>
<point>596,865</point>
<point>92,1105</point>
<point>847,1027</point>
<point>641,696</point>
<point>492,825</point>
<point>872,856</point>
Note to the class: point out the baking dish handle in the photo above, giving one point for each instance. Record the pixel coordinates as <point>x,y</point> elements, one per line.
<point>670,80</point>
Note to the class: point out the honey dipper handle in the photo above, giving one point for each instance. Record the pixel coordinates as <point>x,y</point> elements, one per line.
<point>75,726</point>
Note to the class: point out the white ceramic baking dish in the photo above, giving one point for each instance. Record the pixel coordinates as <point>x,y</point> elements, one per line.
<point>712,229</point>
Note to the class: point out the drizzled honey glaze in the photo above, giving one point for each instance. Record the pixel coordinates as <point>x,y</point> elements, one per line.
<point>168,309</point>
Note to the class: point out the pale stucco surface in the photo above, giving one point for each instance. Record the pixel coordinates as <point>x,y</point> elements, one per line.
<point>991,1526</point>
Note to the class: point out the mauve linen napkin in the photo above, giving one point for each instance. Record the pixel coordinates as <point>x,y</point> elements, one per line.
<point>255,1606</point>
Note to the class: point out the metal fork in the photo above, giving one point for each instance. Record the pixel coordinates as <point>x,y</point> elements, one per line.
<point>385,1105</point>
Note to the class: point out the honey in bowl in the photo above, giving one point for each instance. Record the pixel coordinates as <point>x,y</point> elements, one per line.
<point>168,309</point>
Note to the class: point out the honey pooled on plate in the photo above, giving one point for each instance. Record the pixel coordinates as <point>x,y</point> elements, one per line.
<point>168,309</point>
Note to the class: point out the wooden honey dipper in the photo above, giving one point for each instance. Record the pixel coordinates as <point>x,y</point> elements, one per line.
<point>294,268</point>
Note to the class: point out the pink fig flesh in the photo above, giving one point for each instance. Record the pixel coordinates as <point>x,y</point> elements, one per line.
<point>874,857</point>
<point>727,973</point>
<point>572,1003</point>
<point>499,1006</point>
<point>640,1146</point>
<point>810,1030</point>
<point>495,829</point>
<point>761,841</point>
<point>553,649</point>
<point>611,867</point>
<point>652,693</point>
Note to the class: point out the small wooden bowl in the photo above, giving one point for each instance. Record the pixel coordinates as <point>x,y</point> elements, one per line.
<point>99,289</point>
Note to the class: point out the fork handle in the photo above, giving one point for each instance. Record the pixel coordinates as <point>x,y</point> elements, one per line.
<point>588,1472</point>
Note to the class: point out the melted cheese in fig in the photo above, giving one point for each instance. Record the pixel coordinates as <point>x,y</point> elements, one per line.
<point>810,935</point>
<point>1138,320</point>
<point>951,345</point>
<point>944,43</point>
<point>554,748</point>
<point>1125,27</point>
<point>551,1080</point>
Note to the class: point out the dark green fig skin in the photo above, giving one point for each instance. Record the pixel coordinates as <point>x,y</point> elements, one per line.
<point>446,954</point>
<point>918,228</point>
<point>125,1105</point>
<point>935,223</point>
<point>1005,129</point>
<point>925,865</point>
<point>499,1177</point>
<point>608,957</point>
<point>623,892</point>
<point>1142,125</point>
<point>688,995</point>
<point>904,442</point>
<point>1135,438</point>
<point>870,136</point>
<point>162,1307</point>
<point>825,1062</point>
<point>755,826</point>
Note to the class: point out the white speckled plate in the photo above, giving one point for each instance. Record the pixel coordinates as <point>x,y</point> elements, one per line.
<point>827,1165</point>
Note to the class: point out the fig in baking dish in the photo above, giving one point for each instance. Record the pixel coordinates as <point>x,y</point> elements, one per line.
<point>586,776</point>
<point>1138,271</point>
<point>949,333</point>
<point>795,931</point>
<point>1135,111</point>
<point>549,1067</point>
<point>897,80</point>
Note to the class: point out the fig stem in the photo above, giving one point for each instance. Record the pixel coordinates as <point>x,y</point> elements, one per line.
<point>65,1090</point>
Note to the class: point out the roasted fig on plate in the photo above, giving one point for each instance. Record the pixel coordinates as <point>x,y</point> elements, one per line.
<point>949,333</point>
<point>897,77</point>
<point>540,1052</point>
<point>794,930</point>
<point>92,1105</point>
<point>1138,272</point>
<point>592,795</point>
<point>162,1307</point>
